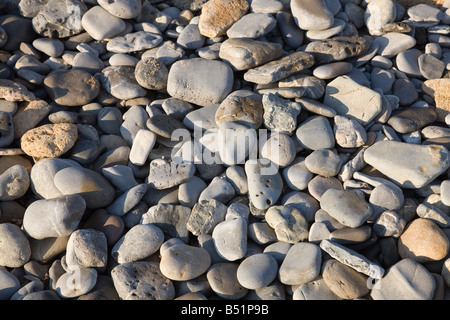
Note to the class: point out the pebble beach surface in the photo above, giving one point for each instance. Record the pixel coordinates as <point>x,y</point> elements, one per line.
<point>224,150</point>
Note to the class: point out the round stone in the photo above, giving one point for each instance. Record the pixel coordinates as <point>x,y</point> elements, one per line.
<point>147,237</point>
<point>49,140</point>
<point>423,241</point>
<point>76,283</point>
<point>86,248</point>
<point>182,262</point>
<point>257,271</point>
<point>151,74</point>
<point>125,9</point>
<point>222,278</point>
<point>71,87</point>
<point>301,264</point>
<point>9,284</point>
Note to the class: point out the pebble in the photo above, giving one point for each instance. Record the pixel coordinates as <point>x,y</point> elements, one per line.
<point>341,93</point>
<point>114,118</point>
<point>181,262</point>
<point>301,264</point>
<point>312,15</point>
<point>244,53</point>
<point>66,210</point>
<point>141,280</point>
<point>257,271</point>
<point>149,236</point>
<point>204,89</point>
<point>419,232</point>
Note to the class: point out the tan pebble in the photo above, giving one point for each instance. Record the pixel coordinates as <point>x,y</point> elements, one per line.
<point>49,140</point>
<point>423,241</point>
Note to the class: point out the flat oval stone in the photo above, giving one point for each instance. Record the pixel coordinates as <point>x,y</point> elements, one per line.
<point>408,62</point>
<point>289,223</point>
<point>411,166</point>
<point>392,43</point>
<point>56,217</point>
<point>93,187</point>
<point>49,140</point>
<point>219,189</point>
<point>405,280</point>
<point>148,237</point>
<point>120,82</point>
<point>14,246</point>
<point>71,87</point>
<point>312,15</point>
<point>191,38</point>
<point>278,69</point>
<point>182,262</point>
<point>344,281</point>
<point>100,24</point>
<point>128,200</point>
<point>210,81</point>
<point>315,133</point>
<point>222,277</point>
<point>347,206</point>
<point>324,162</point>
<point>423,241</point>
<point>164,125</point>
<point>252,26</point>
<point>296,175</point>
<point>332,70</point>
<point>410,119</point>
<point>230,238</point>
<point>243,53</point>
<point>133,42</point>
<point>301,264</point>
<point>189,191</point>
<point>257,271</point>
<point>314,87</point>
<point>279,148</point>
<point>431,67</point>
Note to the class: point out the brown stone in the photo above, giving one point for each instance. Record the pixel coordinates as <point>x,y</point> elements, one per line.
<point>9,161</point>
<point>423,241</point>
<point>219,15</point>
<point>344,281</point>
<point>439,89</point>
<point>49,140</point>
<point>111,226</point>
<point>29,115</point>
<point>242,109</point>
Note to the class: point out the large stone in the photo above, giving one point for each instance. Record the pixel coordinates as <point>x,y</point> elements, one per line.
<point>410,166</point>
<point>337,48</point>
<point>353,100</point>
<point>200,81</point>
<point>15,248</point>
<point>49,140</point>
<point>71,87</point>
<point>243,54</point>
<point>312,14</point>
